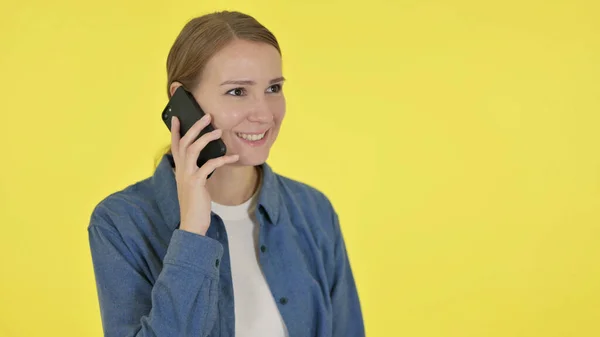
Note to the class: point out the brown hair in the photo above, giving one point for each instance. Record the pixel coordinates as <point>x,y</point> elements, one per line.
<point>204,36</point>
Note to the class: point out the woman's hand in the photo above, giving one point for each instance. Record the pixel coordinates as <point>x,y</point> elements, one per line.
<point>194,199</point>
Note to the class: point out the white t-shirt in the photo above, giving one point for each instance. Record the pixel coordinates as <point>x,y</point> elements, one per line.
<point>256,312</point>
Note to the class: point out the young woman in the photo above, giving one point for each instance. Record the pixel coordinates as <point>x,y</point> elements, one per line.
<point>246,252</point>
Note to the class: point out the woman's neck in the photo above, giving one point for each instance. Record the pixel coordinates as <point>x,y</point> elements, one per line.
<point>233,185</point>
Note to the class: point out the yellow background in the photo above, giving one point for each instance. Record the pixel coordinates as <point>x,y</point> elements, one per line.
<point>457,139</point>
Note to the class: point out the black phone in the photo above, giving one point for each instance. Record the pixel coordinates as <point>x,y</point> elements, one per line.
<point>184,106</point>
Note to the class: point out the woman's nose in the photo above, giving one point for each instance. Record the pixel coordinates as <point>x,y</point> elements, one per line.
<point>260,111</point>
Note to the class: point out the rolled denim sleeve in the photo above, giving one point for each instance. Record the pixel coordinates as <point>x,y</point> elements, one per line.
<point>347,313</point>
<point>182,301</point>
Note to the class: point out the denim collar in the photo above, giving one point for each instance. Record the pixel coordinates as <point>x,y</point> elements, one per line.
<point>165,192</point>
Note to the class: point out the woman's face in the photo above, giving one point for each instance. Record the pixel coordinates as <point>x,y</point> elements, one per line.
<point>241,88</point>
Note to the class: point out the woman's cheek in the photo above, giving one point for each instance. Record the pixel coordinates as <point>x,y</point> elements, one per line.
<point>227,120</point>
<point>279,109</point>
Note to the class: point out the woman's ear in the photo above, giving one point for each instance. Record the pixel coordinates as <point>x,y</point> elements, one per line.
<point>174,87</point>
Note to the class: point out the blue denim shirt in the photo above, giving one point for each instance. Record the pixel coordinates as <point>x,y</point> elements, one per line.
<point>154,279</point>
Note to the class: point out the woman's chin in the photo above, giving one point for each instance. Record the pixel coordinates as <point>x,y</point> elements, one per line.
<point>254,159</point>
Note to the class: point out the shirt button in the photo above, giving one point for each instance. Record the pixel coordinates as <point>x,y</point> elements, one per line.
<point>263,248</point>
<point>217,263</point>
<point>283,300</point>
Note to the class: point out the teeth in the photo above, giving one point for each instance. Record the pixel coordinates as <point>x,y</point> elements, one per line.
<point>251,137</point>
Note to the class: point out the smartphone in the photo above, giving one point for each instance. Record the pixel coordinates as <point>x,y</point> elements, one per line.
<point>184,106</point>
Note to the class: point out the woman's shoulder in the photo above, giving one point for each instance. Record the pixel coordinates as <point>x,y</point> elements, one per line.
<point>303,192</point>
<point>306,203</point>
<point>292,190</point>
<point>125,208</point>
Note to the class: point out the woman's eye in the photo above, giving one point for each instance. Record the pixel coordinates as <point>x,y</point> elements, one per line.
<point>274,88</point>
<point>236,92</point>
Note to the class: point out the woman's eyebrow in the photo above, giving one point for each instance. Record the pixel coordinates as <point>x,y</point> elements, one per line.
<point>277,80</point>
<point>250,82</point>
